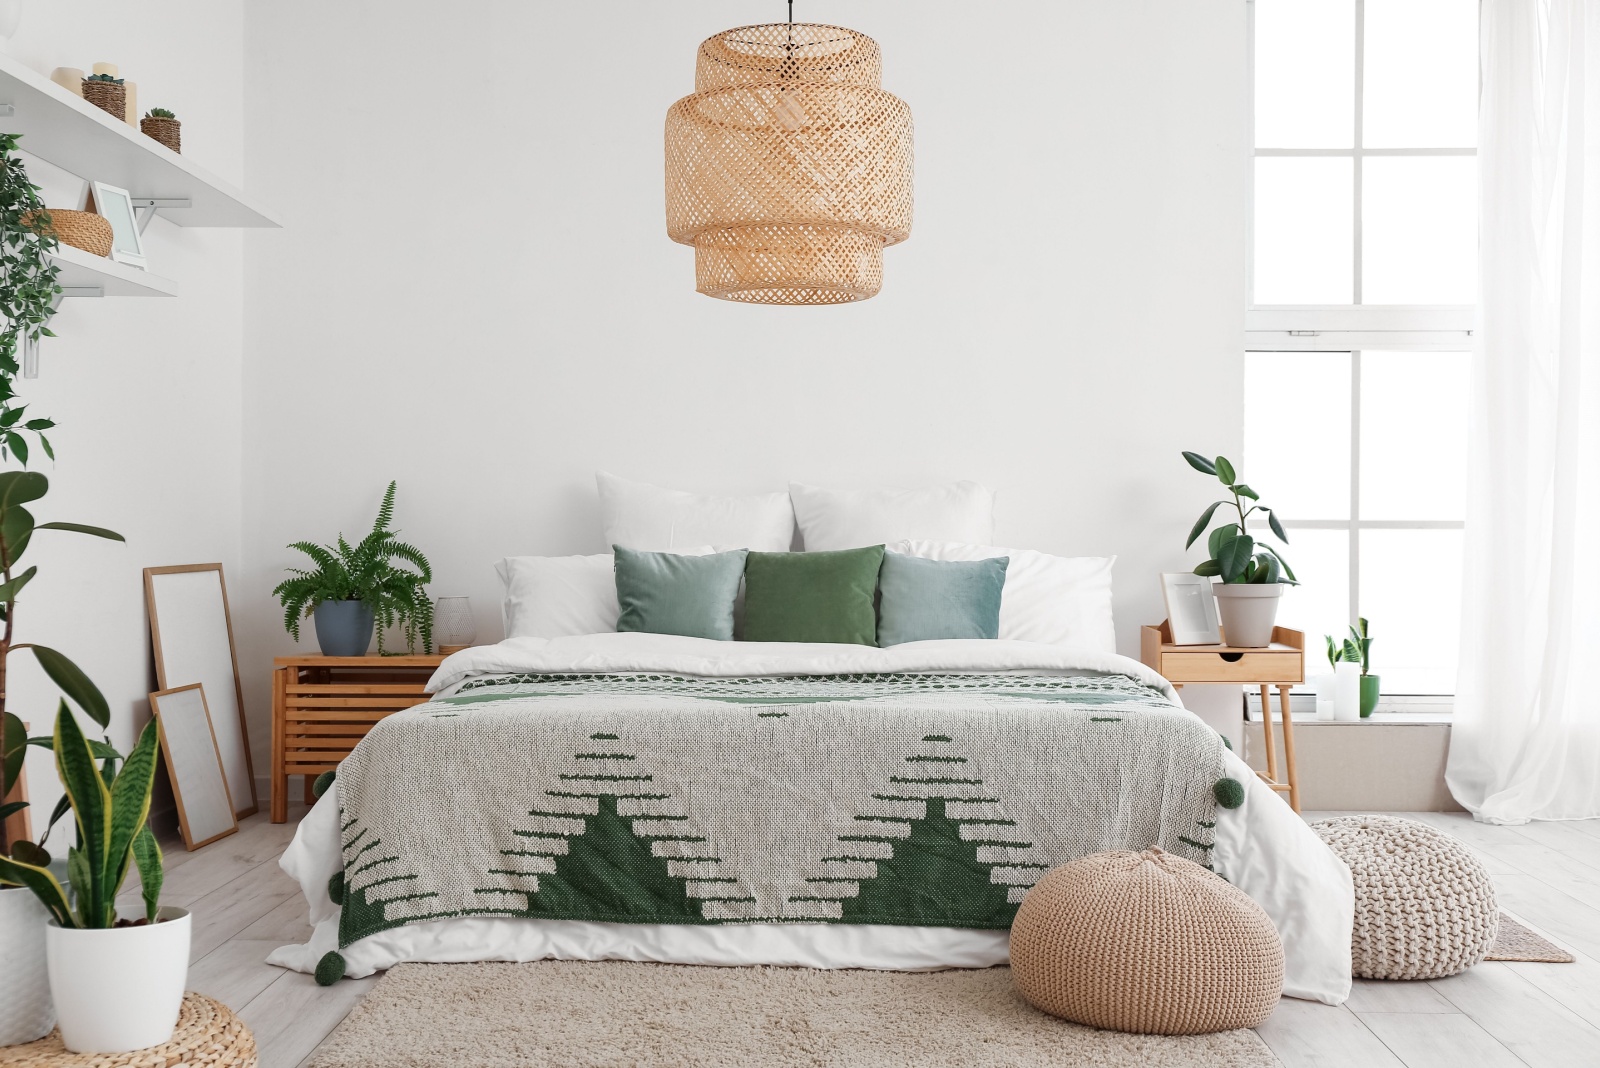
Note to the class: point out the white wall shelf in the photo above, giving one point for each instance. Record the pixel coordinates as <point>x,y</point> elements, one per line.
<point>68,131</point>
<point>83,274</point>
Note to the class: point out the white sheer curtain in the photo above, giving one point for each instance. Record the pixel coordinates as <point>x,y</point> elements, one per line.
<point>1526,740</point>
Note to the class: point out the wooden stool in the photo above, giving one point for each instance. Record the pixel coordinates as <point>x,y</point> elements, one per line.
<point>208,1035</point>
<point>1281,664</point>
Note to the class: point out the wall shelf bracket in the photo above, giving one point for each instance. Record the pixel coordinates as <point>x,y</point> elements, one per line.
<point>145,208</point>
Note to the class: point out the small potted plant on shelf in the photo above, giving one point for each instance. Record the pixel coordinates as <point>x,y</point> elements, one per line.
<point>1253,574</point>
<point>1357,649</point>
<point>108,93</point>
<point>162,125</point>
<point>356,586</point>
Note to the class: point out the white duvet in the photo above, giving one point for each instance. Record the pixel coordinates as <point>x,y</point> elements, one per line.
<point>1262,847</point>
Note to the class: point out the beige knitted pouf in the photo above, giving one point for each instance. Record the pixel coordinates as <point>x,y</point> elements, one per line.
<point>1425,906</point>
<point>1145,942</point>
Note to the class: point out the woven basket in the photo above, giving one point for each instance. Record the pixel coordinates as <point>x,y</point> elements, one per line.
<point>107,96</point>
<point>80,229</point>
<point>1148,943</point>
<point>208,1035</point>
<point>1425,906</point>
<point>164,130</point>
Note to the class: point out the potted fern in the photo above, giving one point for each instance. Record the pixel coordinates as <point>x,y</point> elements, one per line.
<point>354,587</point>
<point>1253,573</point>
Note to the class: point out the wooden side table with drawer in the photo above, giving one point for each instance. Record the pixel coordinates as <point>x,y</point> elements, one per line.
<point>323,705</point>
<point>1281,664</point>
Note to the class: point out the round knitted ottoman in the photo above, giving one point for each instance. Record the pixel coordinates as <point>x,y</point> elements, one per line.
<point>1425,906</point>
<point>1145,942</point>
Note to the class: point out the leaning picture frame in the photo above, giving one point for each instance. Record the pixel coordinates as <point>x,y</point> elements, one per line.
<point>116,207</point>
<point>1191,609</point>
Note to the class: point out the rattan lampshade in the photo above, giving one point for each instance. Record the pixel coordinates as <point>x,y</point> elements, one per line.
<point>789,167</point>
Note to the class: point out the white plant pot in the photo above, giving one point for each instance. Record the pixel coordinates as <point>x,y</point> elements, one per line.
<point>26,1012</point>
<point>1248,611</point>
<point>119,989</point>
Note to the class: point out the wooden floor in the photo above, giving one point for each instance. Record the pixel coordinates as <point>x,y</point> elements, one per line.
<point>1512,1015</point>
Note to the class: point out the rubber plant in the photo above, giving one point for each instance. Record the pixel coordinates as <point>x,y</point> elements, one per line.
<point>28,291</point>
<point>365,572</point>
<point>1235,556</point>
<point>107,803</point>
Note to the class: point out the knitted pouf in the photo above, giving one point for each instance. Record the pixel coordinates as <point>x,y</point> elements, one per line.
<point>1425,906</point>
<point>1145,942</point>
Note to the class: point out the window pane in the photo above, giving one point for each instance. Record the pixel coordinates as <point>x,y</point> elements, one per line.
<point>1414,435</point>
<point>1297,432</point>
<point>1305,73</point>
<point>1419,233</point>
<point>1411,594</point>
<point>1321,603</point>
<point>1421,74</point>
<point>1303,241</point>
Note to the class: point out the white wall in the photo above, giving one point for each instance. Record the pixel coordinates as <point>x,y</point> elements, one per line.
<point>146,392</point>
<point>475,293</point>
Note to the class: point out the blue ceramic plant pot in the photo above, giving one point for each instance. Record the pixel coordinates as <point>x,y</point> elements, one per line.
<point>344,628</point>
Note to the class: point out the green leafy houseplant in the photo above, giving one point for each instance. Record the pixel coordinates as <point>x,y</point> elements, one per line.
<point>159,113</point>
<point>28,287</point>
<point>365,572</point>
<point>1357,649</point>
<point>1235,556</point>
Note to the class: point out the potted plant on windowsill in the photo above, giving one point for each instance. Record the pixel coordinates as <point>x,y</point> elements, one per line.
<point>1357,649</point>
<point>1253,574</point>
<point>354,587</point>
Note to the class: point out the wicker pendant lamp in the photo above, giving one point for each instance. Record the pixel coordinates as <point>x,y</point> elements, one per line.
<point>789,167</point>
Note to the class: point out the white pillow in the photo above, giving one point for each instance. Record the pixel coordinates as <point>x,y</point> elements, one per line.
<point>557,596</point>
<point>639,516</point>
<point>849,519</point>
<point>1058,600</point>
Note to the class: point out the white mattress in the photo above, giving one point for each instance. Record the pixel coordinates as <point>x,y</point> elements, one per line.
<point>1262,847</point>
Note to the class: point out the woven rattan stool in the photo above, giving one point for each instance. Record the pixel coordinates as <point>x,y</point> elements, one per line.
<point>1425,906</point>
<point>208,1035</point>
<point>1145,942</point>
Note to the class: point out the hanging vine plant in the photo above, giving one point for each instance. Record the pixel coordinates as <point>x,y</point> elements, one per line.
<point>28,288</point>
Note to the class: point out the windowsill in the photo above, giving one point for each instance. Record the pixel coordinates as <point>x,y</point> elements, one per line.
<point>1386,716</point>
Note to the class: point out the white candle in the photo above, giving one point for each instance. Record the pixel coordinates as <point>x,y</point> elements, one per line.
<point>69,78</point>
<point>130,113</point>
<point>106,68</point>
<point>1325,696</point>
<point>1347,691</point>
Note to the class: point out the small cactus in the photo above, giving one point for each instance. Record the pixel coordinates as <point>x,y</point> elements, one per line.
<point>103,78</point>
<point>159,113</point>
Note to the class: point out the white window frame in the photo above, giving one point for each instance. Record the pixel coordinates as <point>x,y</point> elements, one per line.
<point>1353,328</point>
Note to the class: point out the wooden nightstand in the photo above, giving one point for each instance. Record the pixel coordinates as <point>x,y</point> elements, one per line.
<point>323,705</point>
<point>1281,664</point>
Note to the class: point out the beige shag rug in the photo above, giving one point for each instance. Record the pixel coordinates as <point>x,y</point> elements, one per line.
<point>577,1014</point>
<point>1517,942</point>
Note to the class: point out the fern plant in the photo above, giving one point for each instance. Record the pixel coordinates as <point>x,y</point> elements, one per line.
<point>369,572</point>
<point>28,290</point>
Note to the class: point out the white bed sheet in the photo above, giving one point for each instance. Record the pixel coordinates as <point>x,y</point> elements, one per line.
<point>1262,847</point>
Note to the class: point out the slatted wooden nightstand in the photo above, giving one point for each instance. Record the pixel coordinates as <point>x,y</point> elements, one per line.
<point>1281,664</point>
<point>323,705</point>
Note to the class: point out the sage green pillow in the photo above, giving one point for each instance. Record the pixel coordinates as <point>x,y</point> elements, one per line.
<point>664,593</point>
<point>920,600</point>
<point>812,597</point>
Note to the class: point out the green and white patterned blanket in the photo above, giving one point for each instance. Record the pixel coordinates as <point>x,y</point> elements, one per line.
<point>887,798</point>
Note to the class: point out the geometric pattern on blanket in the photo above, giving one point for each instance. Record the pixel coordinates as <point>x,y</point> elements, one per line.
<point>914,799</point>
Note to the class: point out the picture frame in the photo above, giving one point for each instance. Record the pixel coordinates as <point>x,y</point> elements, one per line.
<point>116,207</point>
<point>1191,609</point>
<point>191,635</point>
<point>194,765</point>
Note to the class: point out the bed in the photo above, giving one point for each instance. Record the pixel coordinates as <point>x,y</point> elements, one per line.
<point>660,798</point>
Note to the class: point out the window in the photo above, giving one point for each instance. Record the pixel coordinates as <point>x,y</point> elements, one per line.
<point>1363,273</point>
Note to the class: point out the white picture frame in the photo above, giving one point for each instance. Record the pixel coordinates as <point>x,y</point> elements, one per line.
<point>116,207</point>
<point>1191,609</point>
<point>194,765</point>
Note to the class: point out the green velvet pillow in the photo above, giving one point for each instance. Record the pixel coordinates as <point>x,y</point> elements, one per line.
<point>663,593</point>
<point>812,597</point>
<point>920,600</point>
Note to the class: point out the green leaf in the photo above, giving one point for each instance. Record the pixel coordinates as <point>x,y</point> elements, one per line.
<point>9,418</point>
<point>1225,472</point>
<point>44,885</point>
<point>74,683</point>
<point>9,590</point>
<point>1270,570</point>
<point>130,808</point>
<point>147,855</point>
<point>20,487</point>
<point>13,750</point>
<point>1210,569</point>
<point>1219,536</point>
<point>1234,556</point>
<point>91,804</point>
<point>1245,491</point>
<point>1277,527</point>
<point>18,447</point>
<point>39,424</point>
<point>1200,463</point>
<point>81,528</point>
<point>45,444</point>
<point>1205,521</point>
<point>11,808</point>
<point>28,853</point>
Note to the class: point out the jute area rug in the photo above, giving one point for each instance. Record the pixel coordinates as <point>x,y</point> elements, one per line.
<point>1516,942</point>
<point>578,1014</point>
